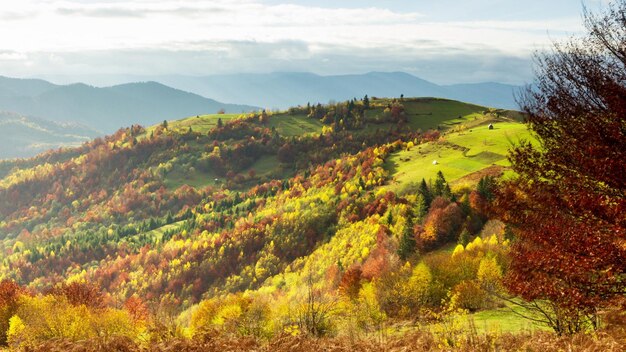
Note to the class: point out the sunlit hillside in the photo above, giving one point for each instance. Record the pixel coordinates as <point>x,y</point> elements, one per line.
<point>327,220</point>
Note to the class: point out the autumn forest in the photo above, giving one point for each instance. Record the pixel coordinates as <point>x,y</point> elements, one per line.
<point>371,224</point>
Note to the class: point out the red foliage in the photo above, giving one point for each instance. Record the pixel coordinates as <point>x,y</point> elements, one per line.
<point>441,225</point>
<point>9,292</point>
<point>478,203</point>
<point>431,136</point>
<point>567,206</point>
<point>350,284</point>
<point>9,295</point>
<point>80,293</point>
<point>137,308</point>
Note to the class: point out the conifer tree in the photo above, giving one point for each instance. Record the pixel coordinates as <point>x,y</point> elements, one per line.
<point>421,207</point>
<point>425,192</point>
<point>441,188</point>
<point>464,237</point>
<point>407,244</point>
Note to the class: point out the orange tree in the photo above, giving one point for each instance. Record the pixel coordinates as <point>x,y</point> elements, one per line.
<point>567,207</point>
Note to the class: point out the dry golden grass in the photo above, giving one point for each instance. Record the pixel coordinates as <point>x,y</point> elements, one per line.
<point>614,339</point>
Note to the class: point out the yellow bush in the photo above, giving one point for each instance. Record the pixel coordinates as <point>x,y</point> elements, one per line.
<point>43,318</point>
<point>468,295</point>
<point>489,274</point>
<point>236,314</point>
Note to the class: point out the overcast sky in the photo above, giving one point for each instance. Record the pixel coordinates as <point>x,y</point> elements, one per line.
<point>445,41</point>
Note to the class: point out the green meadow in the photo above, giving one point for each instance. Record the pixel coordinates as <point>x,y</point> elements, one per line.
<point>457,154</point>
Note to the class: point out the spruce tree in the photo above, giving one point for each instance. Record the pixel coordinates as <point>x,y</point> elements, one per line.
<point>439,188</point>
<point>407,244</point>
<point>421,207</point>
<point>486,187</point>
<point>464,237</point>
<point>425,192</point>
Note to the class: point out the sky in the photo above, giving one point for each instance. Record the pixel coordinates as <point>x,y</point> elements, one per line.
<point>445,41</point>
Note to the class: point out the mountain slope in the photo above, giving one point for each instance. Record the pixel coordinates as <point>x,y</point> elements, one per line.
<point>284,89</point>
<point>22,136</point>
<point>105,109</point>
<point>218,179</point>
<point>489,93</point>
<point>190,214</point>
<point>23,87</point>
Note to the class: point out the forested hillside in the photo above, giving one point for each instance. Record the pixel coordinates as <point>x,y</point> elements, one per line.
<point>365,219</point>
<point>387,223</point>
<point>221,204</point>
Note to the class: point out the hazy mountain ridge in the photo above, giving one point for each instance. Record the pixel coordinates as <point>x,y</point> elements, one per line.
<point>23,136</point>
<point>105,109</point>
<point>284,89</point>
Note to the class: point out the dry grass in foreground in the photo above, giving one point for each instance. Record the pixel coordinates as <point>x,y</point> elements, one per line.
<point>610,340</point>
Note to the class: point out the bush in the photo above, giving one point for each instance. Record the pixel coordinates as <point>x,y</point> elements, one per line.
<point>468,295</point>
<point>39,319</point>
<point>405,292</point>
<point>9,296</point>
<point>234,315</point>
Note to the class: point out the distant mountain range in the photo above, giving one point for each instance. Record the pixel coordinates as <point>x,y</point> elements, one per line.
<point>22,136</point>
<point>285,89</point>
<point>46,115</point>
<point>282,90</point>
<point>105,109</point>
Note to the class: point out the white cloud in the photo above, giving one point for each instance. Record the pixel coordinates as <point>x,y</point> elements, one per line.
<point>283,32</point>
<point>101,25</point>
<point>12,56</point>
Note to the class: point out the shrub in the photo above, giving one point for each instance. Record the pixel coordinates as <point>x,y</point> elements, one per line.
<point>9,295</point>
<point>42,318</point>
<point>468,295</point>
<point>406,291</point>
<point>234,315</point>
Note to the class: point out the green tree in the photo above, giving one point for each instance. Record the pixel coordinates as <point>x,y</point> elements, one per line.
<point>407,244</point>
<point>464,237</point>
<point>425,192</point>
<point>441,187</point>
<point>486,187</point>
<point>421,207</point>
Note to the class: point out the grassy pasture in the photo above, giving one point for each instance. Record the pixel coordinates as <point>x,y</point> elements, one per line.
<point>457,155</point>
<point>200,123</point>
<point>294,125</point>
<point>196,179</point>
<point>430,113</point>
<point>502,320</point>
